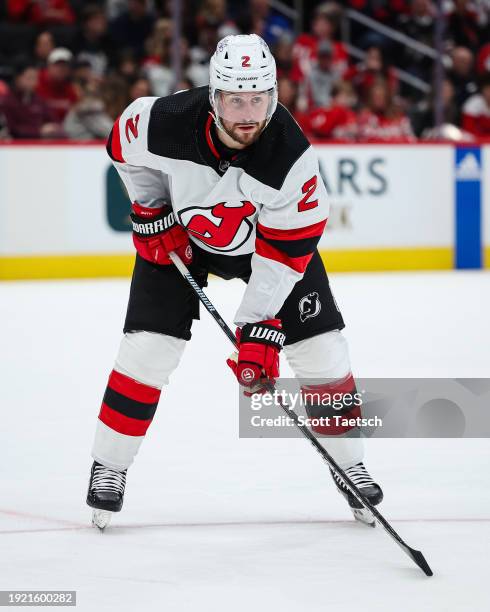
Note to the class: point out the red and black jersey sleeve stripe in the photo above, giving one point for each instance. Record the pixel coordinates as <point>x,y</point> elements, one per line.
<point>293,248</point>
<point>113,146</point>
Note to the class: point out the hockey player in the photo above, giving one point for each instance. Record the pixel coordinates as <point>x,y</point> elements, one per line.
<point>224,177</point>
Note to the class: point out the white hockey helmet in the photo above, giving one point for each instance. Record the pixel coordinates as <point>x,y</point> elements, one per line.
<point>242,64</point>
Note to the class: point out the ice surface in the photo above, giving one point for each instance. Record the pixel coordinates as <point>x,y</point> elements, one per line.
<point>213,522</point>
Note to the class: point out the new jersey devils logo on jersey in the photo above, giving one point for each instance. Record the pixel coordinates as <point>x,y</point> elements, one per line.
<point>223,227</point>
<point>309,306</point>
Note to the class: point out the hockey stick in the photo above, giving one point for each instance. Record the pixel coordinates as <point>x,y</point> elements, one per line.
<point>415,555</point>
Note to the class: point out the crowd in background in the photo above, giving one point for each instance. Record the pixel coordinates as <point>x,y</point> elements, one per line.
<point>68,68</point>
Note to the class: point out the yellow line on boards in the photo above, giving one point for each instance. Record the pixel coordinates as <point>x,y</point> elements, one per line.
<point>65,266</point>
<point>379,260</point>
<point>104,265</point>
<point>486,257</point>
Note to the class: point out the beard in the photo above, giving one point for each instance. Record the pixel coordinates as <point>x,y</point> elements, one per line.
<point>244,138</point>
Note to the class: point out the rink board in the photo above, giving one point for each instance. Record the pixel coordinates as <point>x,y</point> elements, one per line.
<point>393,207</point>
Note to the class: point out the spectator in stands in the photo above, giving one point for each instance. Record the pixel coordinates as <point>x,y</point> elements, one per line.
<point>373,67</point>
<point>88,119</point>
<point>43,46</point>
<point>157,64</point>
<point>93,43</point>
<point>4,89</point>
<point>382,120</point>
<point>483,60</point>
<point>134,49</point>
<point>260,18</point>
<point>384,11</point>
<point>115,8</point>
<point>338,121</point>
<point>320,79</point>
<point>287,93</point>
<point>3,120</point>
<point>208,36</point>
<point>201,49</point>
<point>183,85</point>
<point>283,54</point>
<point>139,88</point>
<point>476,111</point>
<point>419,25</point>
<point>199,56</point>
<point>126,65</point>
<point>323,29</point>
<point>55,86</point>
<point>82,72</point>
<point>482,9</point>
<point>48,12</point>
<point>462,25</point>
<point>114,90</point>
<point>132,27</point>
<point>212,12</point>
<point>288,97</point>
<point>422,115</point>
<point>195,68</point>
<point>418,22</point>
<point>26,114</point>
<point>462,74</point>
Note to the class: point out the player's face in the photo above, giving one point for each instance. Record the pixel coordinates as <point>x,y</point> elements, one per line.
<point>243,115</point>
<point>245,134</point>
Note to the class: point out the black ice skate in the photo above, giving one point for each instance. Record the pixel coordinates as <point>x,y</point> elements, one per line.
<point>105,493</point>
<point>361,478</point>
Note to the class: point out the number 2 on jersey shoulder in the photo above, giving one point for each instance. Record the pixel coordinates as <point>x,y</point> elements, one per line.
<point>308,189</point>
<point>132,126</point>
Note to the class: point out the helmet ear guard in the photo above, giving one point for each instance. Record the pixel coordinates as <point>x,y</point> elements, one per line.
<point>242,63</point>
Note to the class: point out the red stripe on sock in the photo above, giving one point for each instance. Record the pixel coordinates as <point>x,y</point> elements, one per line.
<point>326,391</point>
<point>133,389</point>
<point>123,424</point>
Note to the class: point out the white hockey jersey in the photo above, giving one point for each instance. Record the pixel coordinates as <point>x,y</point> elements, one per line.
<point>268,200</point>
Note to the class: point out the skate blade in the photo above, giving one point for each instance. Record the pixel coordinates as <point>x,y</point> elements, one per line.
<point>364,516</point>
<point>101,518</point>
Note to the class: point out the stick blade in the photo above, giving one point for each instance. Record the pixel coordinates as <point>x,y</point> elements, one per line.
<point>419,559</point>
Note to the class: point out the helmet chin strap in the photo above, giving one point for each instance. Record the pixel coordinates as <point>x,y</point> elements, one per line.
<point>217,122</point>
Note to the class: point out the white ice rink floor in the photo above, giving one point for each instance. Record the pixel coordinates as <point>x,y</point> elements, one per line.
<point>212,522</point>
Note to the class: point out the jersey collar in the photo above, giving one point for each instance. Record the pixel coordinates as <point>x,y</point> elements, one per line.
<point>212,151</point>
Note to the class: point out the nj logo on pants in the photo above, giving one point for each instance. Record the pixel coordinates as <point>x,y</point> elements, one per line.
<point>309,306</point>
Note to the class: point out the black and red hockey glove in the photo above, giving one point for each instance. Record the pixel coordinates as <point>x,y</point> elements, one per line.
<point>257,361</point>
<point>156,233</point>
